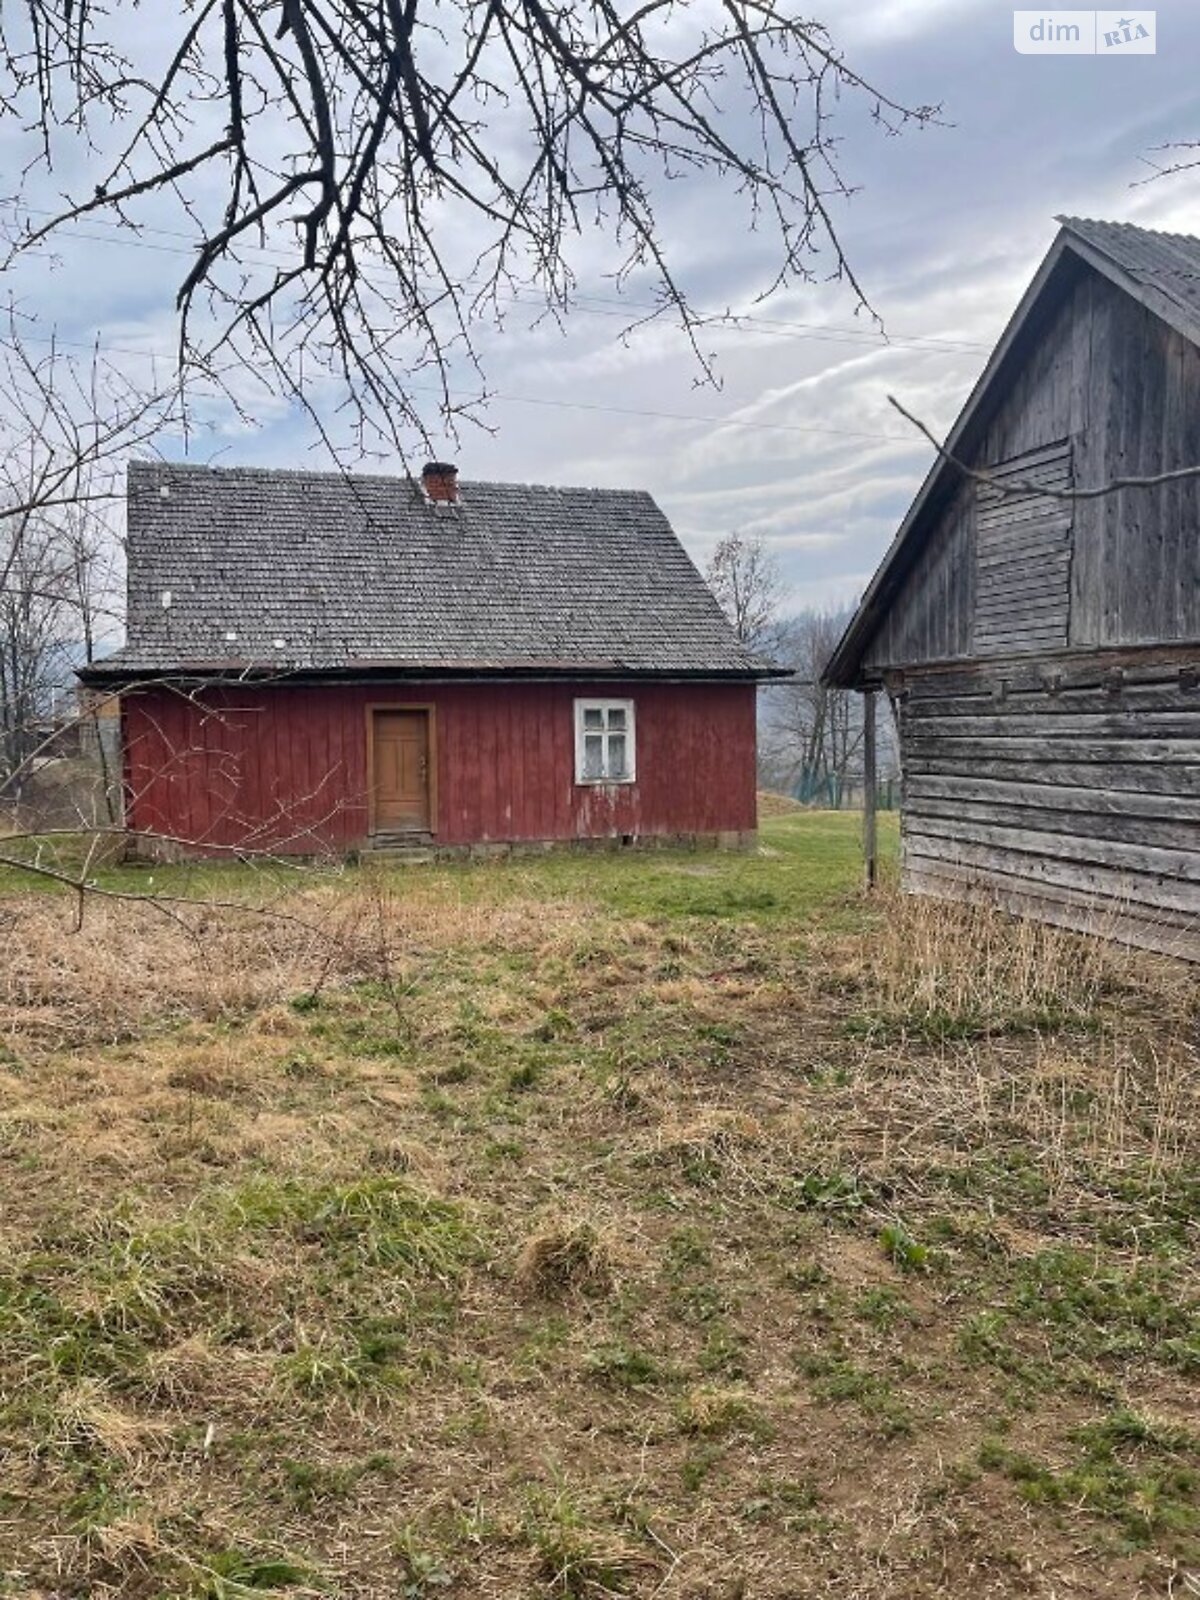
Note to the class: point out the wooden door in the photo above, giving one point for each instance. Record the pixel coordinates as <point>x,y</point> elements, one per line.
<point>401,771</point>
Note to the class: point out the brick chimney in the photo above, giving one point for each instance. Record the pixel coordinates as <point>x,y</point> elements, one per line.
<point>439,479</point>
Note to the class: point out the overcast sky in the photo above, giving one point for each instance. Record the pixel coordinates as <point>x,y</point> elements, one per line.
<point>798,444</point>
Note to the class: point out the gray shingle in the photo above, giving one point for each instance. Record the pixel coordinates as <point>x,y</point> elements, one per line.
<point>353,571</point>
<point>1168,263</point>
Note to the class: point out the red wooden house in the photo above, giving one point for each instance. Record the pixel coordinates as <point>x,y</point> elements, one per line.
<point>319,662</point>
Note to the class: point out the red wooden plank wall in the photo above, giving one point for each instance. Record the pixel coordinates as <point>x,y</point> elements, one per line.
<point>286,767</point>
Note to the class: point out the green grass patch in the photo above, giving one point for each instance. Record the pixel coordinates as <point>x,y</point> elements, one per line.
<point>1133,1472</point>
<point>1092,1308</point>
<point>837,1379</point>
<point>375,1222</point>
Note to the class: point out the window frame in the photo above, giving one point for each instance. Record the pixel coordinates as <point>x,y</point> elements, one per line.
<point>592,703</point>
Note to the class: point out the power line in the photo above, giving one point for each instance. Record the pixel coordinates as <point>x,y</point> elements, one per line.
<point>594,305</point>
<point>716,422</point>
<point>736,320</point>
<point>547,401</point>
<point>598,306</point>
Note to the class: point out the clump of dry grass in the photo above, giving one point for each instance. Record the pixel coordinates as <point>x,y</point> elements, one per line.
<point>563,1258</point>
<point>710,1146</point>
<point>713,1409</point>
<point>579,1555</point>
<point>195,1370</point>
<point>88,1416</point>
<point>986,1039</point>
<point>772,804</point>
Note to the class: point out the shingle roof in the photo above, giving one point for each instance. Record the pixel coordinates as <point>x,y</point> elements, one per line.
<point>315,571</point>
<point>1164,264</point>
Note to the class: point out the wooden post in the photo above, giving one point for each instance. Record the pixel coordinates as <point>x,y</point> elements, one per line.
<point>869,783</point>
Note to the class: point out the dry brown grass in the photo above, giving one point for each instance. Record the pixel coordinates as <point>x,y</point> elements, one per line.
<point>133,966</point>
<point>491,1242</point>
<point>771,804</point>
<point>935,960</point>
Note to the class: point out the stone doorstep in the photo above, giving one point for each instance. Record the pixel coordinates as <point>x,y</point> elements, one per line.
<point>407,856</point>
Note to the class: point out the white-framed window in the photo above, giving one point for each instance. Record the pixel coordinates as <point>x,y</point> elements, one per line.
<point>604,741</point>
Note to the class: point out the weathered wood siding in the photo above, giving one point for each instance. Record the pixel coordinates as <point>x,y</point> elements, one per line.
<point>285,768</point>
<point>1101,389</point>
<point>1136,573</point>
<point>933,618</point>
<point>1071,796</point>
<point>1023,557</point>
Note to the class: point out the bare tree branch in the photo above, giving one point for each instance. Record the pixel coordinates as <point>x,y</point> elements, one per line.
<point>1009,486</point>
<point>368,180</point>
<point>1186,154</point>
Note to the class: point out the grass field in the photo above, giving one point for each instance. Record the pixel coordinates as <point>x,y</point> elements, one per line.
<point>679,1226</point>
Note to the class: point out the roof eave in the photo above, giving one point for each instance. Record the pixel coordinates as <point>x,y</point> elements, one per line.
<point>1162,305</point>
<point>127,675</point>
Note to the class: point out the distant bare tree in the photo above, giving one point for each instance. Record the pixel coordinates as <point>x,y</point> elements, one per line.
<point>366,181</point>
<point>59,603</point>
<point>66,429</point>
<point>745,577</point>
<point>34,652</point>
<point>813,734</point>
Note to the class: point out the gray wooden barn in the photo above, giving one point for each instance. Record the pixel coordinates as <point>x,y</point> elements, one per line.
<point>1043,653</point>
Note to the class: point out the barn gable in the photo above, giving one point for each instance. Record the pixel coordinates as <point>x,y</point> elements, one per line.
<point>1097,376</point>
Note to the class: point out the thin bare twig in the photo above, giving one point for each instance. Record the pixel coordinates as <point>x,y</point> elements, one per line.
<point>1007,486</point>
